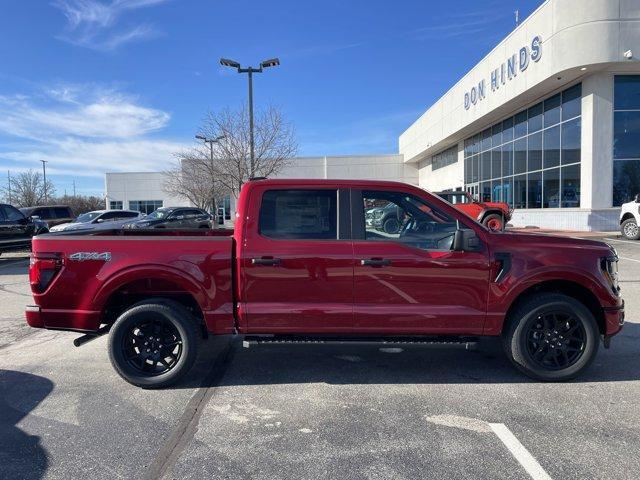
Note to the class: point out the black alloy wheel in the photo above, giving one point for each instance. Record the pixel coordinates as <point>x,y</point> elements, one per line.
<point>154,343</point>
<point>152,346</point>
<point>551,336</point>
<point>555,340</point>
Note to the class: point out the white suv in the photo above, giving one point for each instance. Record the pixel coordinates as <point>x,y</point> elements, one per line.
<point>630,219</point>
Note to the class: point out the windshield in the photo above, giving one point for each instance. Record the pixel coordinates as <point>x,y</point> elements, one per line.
<point>158,214</point>
<point>87,217</point>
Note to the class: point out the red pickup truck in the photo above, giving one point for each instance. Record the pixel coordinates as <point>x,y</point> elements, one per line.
<point>302,264</point>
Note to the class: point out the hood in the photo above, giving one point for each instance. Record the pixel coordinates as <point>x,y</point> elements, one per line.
<point>544,241</point>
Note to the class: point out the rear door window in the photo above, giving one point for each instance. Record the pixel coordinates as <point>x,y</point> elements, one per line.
<point>299,214</point>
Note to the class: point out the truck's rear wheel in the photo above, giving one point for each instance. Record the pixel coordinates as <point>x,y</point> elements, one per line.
<point>494,222</point>
<point>629,229</point>
<point>153,344</point>
<point>551,337</point>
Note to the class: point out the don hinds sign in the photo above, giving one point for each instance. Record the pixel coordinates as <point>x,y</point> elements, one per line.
<point>509,69</point>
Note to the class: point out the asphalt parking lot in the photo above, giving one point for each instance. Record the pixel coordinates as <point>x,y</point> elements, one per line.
<point>313,411</point>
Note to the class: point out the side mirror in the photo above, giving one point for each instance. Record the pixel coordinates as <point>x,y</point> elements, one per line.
<point>466,240</point>
<point>637,197</point>
<point>34,217</point>
<point>100,220</point>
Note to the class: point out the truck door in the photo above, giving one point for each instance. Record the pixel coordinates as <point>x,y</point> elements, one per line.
<point>410,281</point>
<point>297,261</point>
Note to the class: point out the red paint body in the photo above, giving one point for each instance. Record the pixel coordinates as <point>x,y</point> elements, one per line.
<point>320,286</point>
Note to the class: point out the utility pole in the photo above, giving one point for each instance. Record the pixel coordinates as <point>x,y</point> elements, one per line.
<point>9,185</point>
<point>211,141</point>
<point>44,174</point>
<point>74,188</point>
<point>517,12</point>
<point>273,62</point>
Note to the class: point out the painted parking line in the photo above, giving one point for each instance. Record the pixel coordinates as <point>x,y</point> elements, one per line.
<point>623,241</point>
<point>630,259</point>
<point>528,462</point>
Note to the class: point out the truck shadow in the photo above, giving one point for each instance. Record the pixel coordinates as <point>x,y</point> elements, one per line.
<point>367,364</point>
<point>21,454</point>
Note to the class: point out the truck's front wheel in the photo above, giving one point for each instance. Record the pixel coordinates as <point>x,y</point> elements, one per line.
<point>551,337</point>
<point>153,344</point>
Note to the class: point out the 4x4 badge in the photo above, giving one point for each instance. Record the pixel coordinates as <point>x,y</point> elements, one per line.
<point>82,256</point>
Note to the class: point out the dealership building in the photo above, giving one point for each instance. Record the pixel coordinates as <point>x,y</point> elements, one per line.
<point>548,121</point>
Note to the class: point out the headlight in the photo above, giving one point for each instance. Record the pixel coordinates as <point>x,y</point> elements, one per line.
<point>143,224</point>
<point>609,267</point>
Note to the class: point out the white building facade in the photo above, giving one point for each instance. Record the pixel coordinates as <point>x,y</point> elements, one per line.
<point>144,191</point>
<point>548,121</point>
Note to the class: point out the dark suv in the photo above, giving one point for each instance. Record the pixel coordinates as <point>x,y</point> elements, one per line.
<point>16,229</point>
<point>174,217</point>
<point>52,214</point>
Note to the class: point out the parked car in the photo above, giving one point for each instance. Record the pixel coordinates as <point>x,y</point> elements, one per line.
<point>493,215</point>
<point>630,219</point>
<point>174,217</point>
<point>99,220</point>
<point>302,266</point>
<point>16,229</point>
<point>52,214</point>
<point>388,219</point>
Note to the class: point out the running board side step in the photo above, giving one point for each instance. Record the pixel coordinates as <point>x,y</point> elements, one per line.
<point>250,340</point>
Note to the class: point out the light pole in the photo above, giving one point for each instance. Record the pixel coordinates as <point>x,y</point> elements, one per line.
<point>44,175</point>
<point>211,141</point>
<point>273,62</point>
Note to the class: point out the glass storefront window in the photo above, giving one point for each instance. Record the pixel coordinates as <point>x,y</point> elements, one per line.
<point>534,146</point>
<point>520,191</point>
<point>552,110</point>
<point>626,180</point>
<point>626,138</point>
<point>551,156</point>
<point>570,186</point>
<point>520,125</point>
<point>531,159</point>
<point>496,163</point>
<point>534,189</point>
<point>535,118</point>
<point>507,159</point>
<point>520,156</point>
<point>626,135</point>
<point>572,102</point>
<point>571,139</point>
<point>551,187</point>
<point>627,92</point>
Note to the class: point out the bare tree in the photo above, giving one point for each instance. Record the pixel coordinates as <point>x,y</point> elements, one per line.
<point>80,203</point>
<point>27,189</point>
<point>201,177</point>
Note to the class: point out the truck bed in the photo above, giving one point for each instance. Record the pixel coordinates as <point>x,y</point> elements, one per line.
<point>99,272</point>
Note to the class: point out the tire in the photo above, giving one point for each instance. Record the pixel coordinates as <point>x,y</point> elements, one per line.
<point>494,222</point>
<point>629,229</point>
<point>173,325</point>
<point>539,352</point>
<point>391,225</point>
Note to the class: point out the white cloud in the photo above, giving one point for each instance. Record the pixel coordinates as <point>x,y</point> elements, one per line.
<point>83,130</point>
<point>94,24</point>
<point>73,110</point>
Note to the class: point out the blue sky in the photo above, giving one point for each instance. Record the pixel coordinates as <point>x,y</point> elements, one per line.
<point>118,85</point>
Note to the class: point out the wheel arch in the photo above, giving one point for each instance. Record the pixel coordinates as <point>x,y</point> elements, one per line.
<point>626,216</point>
<point>131,286</point>
<point>571,289</point>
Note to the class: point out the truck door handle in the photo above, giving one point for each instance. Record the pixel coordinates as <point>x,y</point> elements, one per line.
<point>376,262</point>
<point>266,261</point>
